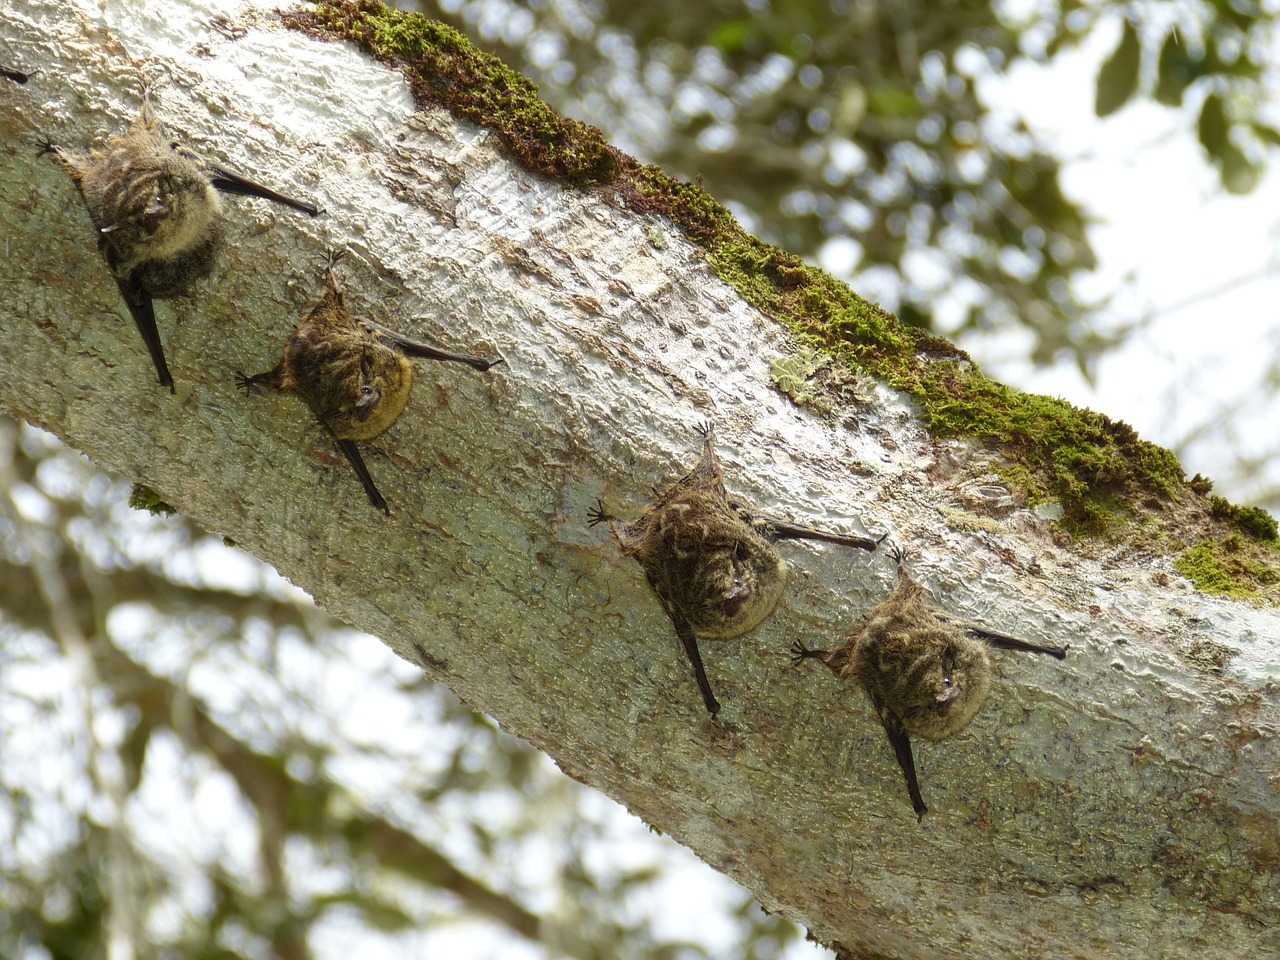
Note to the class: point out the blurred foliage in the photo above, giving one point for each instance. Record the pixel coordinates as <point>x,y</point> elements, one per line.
<point>196,762</point>
<point>870,124</point>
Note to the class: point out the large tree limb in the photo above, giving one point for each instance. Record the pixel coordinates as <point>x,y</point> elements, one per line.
<point>1123,803</point>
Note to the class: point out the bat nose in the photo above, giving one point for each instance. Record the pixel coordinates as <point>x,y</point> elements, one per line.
<point>736,599</point>
<point>368,401</point>
<point>156,213</point>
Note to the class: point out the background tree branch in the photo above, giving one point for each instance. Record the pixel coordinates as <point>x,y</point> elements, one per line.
<point>1133,787</point>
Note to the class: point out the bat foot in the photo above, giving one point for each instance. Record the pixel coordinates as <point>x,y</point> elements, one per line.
<point>249,384</point>
<point>598,514</point>
<point>800,653</point>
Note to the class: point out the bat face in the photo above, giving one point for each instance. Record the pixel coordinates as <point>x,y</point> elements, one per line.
<point>934,678</point>
<point>168,239</point>
<point>368,398</point>
<point>704,560</point>
<point>353,382</point>
<point>703,557</point>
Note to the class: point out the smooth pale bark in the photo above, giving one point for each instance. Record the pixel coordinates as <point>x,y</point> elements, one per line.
<point>1122,803</point>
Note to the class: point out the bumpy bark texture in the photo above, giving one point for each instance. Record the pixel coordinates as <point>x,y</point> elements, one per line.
<point>1123,803</point>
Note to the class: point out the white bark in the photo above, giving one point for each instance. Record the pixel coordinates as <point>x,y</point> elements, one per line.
<point>1118,804</point>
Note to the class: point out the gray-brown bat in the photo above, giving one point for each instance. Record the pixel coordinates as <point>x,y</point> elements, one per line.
<point>158,216</point>
<point>711,563</point>
<point>354,374</point>
<point>925,673</point>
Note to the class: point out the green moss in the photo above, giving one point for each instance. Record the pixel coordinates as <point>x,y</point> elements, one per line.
<point>1230,571</point>
<point>144,498</point>
<point>1254,521</point>
<point>1097,468</point>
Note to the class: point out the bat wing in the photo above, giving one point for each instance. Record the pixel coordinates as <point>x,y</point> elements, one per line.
<point>417,348</point>
<point>144,316</point>
<point>228,181</point>
<point>901,743</point>
<point>1013,643</point>
<point>352,453</point>
<point>775,530</point>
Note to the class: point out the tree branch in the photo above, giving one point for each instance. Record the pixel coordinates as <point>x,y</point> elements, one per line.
<point>1089,803</point>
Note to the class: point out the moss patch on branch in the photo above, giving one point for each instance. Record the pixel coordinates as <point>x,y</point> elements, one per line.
<point>142,497</point>
<point>1098,469</point>
<point>1230,570</point>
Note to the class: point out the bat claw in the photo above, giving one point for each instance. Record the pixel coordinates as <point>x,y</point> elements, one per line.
<point>598,514</point>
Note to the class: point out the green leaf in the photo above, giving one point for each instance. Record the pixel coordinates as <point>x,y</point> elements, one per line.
<point>887,101</point>
<point>1118,78</point>
<point>1212,125</point>
<point>1267,134</point>
<point>1238,173</point>
<point>1243,15</point>
<point>1177,70</point>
